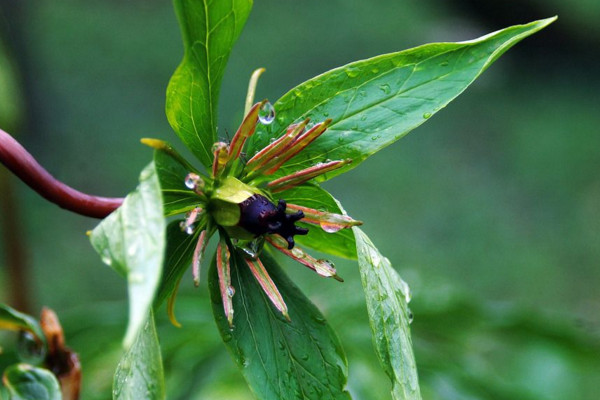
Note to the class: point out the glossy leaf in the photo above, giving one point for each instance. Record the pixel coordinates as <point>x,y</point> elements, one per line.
<point>279,359</point>
<point>171,171</point>
<point>14,320</point>
<point>140,374</point>
<point>386,295</point>
<point>377,101</point>
<point>131,240</point>
<point>209,30</point>
<point>25,382</point>
<point>340,243</point>
<point>178,256</point>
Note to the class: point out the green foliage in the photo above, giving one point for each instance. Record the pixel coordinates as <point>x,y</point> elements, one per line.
<point>387,302</point>
<point>209,30</point>
<point>140,371</point>
<point>132,241</point>
<point>280,359</point>
<point>25,382</point>
<point>377,101</point>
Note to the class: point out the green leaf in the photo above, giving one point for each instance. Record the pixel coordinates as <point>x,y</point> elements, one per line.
<point>131,240</point>
<point>377,101</point>
<point>12,319</point>
<point>25,382</point>
<point>209,31</point>
<point>340,243</point>
<point>178,256</point>
<point>279,359</point>
<point>387,295</point>
<point>140,374</point>
<point>177,198</point>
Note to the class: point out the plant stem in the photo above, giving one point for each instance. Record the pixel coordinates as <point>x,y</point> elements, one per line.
<point>24,166</point>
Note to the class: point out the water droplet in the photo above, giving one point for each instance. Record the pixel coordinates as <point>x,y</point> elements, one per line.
<point>189,229</point>
<point>304,357</point>
<point>29,349</point>
<point>106,258</point>
<point>444,64</point>
<point>193,181</point>
<point>352,72</point>
<point>227,337</point>
<point>405,289</point>
<point>329,228</point>
<point>251,249</point>
<point>385,88</point>
<point>426,115</point>
<point>375,137</point>
<point>363,117</point>
<point>410,315</point>
<point>266,114</point>
<point>375,70</point>
<point>230,291</point>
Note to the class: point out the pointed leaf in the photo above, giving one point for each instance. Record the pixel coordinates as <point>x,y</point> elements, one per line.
<point>178,258</point>
<point>209,30</point>
<point>131,240</point>
<point>377,101</point>
<point>25,382</point>
<point>140,374</point>
<point>279,359</point>
<point>172,172</point>
<point>386,295</point>
<point>340,243</point>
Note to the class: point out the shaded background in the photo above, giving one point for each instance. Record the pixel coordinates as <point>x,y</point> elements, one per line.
<point>490,211</point>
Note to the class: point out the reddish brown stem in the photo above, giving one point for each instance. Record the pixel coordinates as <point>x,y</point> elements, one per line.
<point>24,166</point>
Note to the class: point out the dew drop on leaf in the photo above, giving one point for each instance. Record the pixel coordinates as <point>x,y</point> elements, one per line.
<point>330,228</point>
<point>266,114</point>
<point>426,115</point>
<point>385,88</point>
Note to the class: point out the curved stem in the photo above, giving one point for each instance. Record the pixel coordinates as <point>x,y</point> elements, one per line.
<point>24,166</point>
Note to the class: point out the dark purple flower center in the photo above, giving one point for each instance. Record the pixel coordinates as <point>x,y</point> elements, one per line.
<point>259,216</point>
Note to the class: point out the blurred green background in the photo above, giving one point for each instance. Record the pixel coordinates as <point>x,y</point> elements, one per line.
<point>490,211</point>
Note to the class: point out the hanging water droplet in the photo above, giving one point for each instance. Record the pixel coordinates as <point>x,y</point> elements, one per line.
<point>189,229</point>
<point>426,115</point>
<point>106,258</point>
<point>230,291</point>
<point>405,289</point>
<point>330,228</point>
<point>266,114</point>
<point>193,181</point>
<point>251,249</point>
<point>29,348</point>
<point>411,316</point>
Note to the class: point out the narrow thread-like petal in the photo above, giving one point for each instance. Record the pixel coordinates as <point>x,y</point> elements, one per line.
<point>329,222</point>
<point>297,178</point>
<point>266,283</point>
<point>245,130</point>
<point>322,267</point>
<point>197,257</point>
<point>298,145</point>
<point>224,272</point>
<point>267,154</point>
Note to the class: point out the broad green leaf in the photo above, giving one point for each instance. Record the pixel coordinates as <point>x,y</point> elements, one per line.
<point>340,243</point>
<point>279,359</point>
<point>387,295</point>
<point>171,173</point>
<point>14,320</point>
<point>377,101</point>
<point>131,240</point>
<point>25,382</point>
<point>140,374</point>
<point>178,256</point>
<point>209,30</point>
